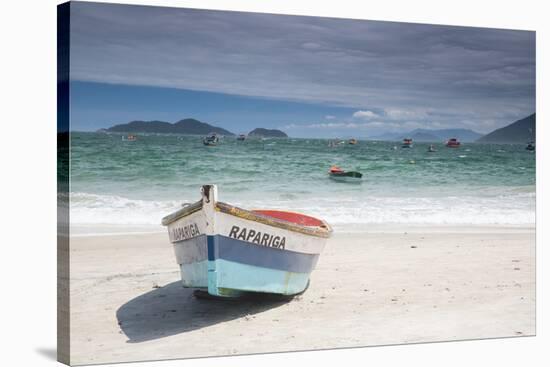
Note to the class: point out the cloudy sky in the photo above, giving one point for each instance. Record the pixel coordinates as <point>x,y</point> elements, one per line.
<point>309,76</point>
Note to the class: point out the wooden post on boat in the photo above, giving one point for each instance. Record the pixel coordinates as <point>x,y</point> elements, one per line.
<point>209,198</point>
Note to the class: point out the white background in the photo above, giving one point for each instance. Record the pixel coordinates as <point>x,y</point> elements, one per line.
<point>28,182</point>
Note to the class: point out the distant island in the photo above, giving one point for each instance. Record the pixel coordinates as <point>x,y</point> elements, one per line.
<point>185,126</point>
<point>426,135</point>
<point>267,133</point>
<point>521,131</point>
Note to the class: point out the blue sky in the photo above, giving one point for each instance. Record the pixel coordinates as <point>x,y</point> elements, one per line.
<point>100,105</point>
<point>308,76</point>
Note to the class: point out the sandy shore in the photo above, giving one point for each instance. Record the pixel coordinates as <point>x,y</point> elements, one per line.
<point>401,285</point>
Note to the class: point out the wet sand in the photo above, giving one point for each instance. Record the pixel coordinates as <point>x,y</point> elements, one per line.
<point>394,285</point>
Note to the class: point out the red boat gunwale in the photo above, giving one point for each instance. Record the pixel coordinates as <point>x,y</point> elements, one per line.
<point>296,218</point>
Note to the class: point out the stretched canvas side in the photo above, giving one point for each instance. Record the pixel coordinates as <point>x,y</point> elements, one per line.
<point>63,152</point>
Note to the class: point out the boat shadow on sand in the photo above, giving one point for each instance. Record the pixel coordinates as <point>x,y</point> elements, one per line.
<point>172,310</point>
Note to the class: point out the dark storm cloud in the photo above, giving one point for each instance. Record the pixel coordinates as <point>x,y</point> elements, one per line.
<point>438,75</point>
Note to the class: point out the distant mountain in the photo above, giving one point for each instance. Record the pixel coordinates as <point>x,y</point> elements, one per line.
<point>186,126</point>
<point>426,135</point>
<point>385,137</point>
<point>521,131</point>
<point>423,136</point>
<point>268,133</point>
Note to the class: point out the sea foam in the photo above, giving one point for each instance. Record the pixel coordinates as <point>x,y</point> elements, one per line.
<point>513,207</point>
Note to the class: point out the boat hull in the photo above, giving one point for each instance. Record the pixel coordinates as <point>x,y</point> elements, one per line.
<point>345,176</point>
<point>227,266</point>
<point>229,251</point>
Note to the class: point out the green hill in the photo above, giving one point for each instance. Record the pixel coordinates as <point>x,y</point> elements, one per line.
<point>521,131</point>
<point>268,133</point>
<point>186,126</point>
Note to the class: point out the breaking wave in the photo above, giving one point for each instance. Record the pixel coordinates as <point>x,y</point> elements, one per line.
<point>514,207</point>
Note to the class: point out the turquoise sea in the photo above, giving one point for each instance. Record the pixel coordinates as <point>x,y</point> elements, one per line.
<point>137,183</point>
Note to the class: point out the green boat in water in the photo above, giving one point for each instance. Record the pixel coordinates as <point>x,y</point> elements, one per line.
<point>338,174</point>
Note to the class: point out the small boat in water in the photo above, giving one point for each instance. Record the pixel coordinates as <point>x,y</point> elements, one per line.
<point>336,173</point>
<point>241,137</point>
<point>335,142</point>
<point>407,143</point>
<point>431,149</point>
<point>352,141</point>
<point>210,140</point>
<point>453,143</point>
<point>130,137</point>
<point>530,146</point>
<point>228,251</point>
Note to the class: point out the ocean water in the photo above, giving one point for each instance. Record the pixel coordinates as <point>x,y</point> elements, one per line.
<point>116,182</point>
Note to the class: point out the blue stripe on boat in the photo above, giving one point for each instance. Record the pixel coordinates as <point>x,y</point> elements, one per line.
<point>228,266</point>
<point>226,248</point>
<point>210,242</point>
<point>222,247</point>
<point>192,250</point>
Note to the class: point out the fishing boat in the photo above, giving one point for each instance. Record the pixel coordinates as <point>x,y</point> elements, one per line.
<point>130,137</point>
<point>227,251</point>
<point>407,143</point>
<point>339,174</point>
<point>211,139</point>
<point>453,143</point>
<point>352,141</point>
<point>241,137</point>
<point>530,146</point>
<point>431,149</point>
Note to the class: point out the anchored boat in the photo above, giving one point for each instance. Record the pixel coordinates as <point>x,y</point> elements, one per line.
<point>229,251</point>
<point>453,143</point>
<point>211,139</point>
<point>407,143</point>
<point>336,173</point>
<point>331,144</point>
<point>130,137</point>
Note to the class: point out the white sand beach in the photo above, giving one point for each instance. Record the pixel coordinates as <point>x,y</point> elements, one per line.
<point>389,286</point>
